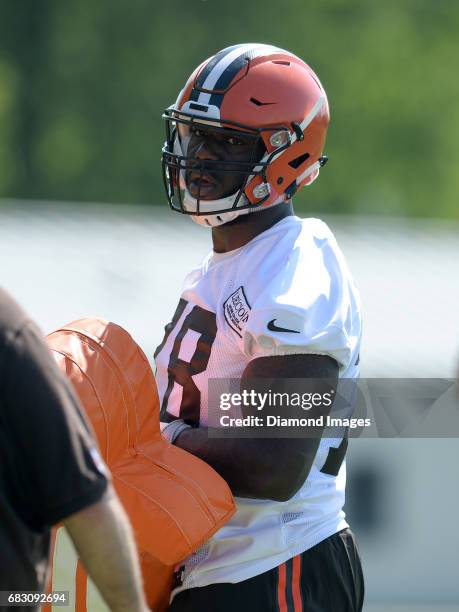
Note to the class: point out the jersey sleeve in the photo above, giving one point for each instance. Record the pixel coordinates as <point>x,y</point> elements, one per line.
<point>309,306</point>
<point>58,469</point>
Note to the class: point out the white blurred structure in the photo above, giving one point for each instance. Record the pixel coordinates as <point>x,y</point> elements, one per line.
<point>126,264</point>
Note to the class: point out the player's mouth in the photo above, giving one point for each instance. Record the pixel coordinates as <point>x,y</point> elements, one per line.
<point>203,186</point>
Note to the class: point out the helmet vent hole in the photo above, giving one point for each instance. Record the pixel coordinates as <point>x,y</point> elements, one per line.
<point>281,62</point>
<point>296,163</point>
<point>199,107</point>
<point>259,102</point>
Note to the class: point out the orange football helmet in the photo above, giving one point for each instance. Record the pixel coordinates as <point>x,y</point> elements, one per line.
<point>260,94</point>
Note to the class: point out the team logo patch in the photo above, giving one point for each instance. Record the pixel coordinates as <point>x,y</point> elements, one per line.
<point>237,310</point>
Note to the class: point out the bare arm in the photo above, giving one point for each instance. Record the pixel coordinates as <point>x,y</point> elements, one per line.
<point>265,468</point>
<point>103,538</point>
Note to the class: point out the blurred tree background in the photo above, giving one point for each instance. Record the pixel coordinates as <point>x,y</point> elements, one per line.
<point>83,85</point>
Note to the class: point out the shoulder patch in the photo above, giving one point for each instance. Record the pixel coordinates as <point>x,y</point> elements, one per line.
<point>237,310</point>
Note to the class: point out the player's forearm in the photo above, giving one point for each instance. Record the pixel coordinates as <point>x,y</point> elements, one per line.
<point>257,468</point>
<point>103,538</point>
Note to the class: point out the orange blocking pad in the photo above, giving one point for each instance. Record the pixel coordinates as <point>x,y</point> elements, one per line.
<point>174,500</point>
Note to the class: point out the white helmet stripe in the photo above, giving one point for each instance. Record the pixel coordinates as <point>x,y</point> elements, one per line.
<point>256,50</point>
<point>312,114</point>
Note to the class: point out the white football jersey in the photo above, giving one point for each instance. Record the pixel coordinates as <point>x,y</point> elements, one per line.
<point>294,274</point>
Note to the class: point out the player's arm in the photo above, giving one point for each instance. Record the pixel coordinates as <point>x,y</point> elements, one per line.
<point>103,538</point>
<point>266,468</point>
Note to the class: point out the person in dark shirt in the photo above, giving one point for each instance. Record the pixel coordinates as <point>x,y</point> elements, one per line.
<point>51,472</point>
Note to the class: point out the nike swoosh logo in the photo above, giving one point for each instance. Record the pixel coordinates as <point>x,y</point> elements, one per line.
<point>273,327</point>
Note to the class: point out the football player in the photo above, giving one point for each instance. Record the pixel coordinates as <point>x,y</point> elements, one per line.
<point>273,300</point>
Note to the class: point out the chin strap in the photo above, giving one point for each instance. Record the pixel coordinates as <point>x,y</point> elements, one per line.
<point>226,217</point>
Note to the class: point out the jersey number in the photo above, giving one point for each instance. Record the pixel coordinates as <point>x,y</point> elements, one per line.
<point>180,372</point>
<point>335,458</point>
